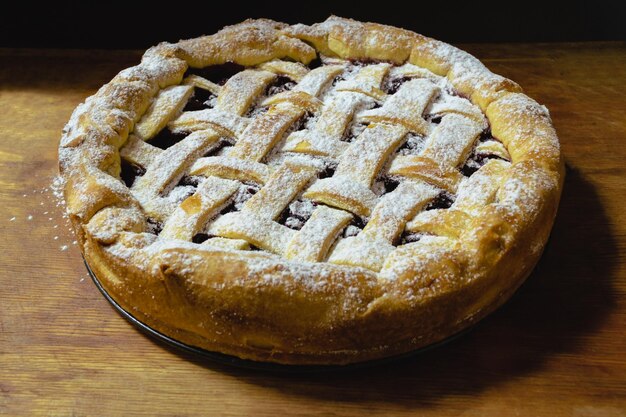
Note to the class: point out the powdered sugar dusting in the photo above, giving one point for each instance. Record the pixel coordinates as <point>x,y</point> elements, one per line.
<point>46,207</point>
<point>351,230</point>
<point>521,196</point>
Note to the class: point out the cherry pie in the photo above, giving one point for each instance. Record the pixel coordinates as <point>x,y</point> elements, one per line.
<point>320,194</point>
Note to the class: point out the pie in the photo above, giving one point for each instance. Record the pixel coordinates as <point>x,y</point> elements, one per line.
<point>323,194</point>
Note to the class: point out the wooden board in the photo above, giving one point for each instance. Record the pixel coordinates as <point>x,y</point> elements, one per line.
<point>556,349</point>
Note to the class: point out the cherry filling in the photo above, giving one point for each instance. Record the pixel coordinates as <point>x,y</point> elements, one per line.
<point>486,135</point>
<point>338,79</point>
<point>200,237</point>
<point>409,237</point>
<point>166,138</point>
<point>436,119</point>
<point>301,123</point>
<point>390,184</point>
<point>187,180</point>
<point>201,99</point>
<point>457,93</point>
<point>243,194</point>
<point>281,83</point>
<point>354,228</point>
<point>353,131</point>
<point>218,74</point>
<point>229,208</point>
<point>470,167</point>
<point>221,144</point>
<point>297,213</point>
<point>129,172</point>
<point>392,85</point>
<point>328,171</point>
<point>316,63</point>
<point>412,145</point>
<point>477,160</point>
<point>443,201</point>
<point>154,226</point>
<point>361,62</point>
<point>384,185</point>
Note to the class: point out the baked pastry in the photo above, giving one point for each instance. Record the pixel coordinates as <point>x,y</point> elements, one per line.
<point>321,194</point>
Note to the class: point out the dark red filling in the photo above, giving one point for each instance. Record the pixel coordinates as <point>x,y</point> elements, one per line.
<point>409,237</point>
<point>477,160</point>
<point>218,74</point>
<point>223,143</point>
<point>279,84</point>
<point>411,145</point>
<point>469,169</point>
<point>351,132</point>
<point>232,206</point>
<point>199,100</point>
<point>390,184</point>
<point>229,208</point>
<point>457,93</point>
<point>392,85</point>
<point>315,63</point>
<point>361,62</point>
<point>443,201</point>
<point>300,124</point>
<point>293,220</point>
<point>188,181</point>
<point>486,135</point>
<point>251,190</point>
<point>166,138</point>
<point>154,226</point>
<point>436,119</point>
<point>356,222</point>
<point>328,171</point>
<point>200,237</point>
<point>338,79</point>
<point>129,172</point>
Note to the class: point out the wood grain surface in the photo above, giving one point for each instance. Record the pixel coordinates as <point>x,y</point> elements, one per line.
<point>555,349</point>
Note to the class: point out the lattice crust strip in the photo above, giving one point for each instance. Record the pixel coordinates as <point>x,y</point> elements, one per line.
<point>370,247</point>
<point>473,195</point>
<point>194,212</point>
<point>350,187</point>
<point>365,124</point>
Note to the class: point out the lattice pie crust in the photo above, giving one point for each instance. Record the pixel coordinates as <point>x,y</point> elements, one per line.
<point>319,194</point>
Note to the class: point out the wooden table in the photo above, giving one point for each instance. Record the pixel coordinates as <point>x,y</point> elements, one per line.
<point>556,349</point>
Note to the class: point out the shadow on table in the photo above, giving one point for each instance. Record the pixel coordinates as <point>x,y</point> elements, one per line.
<point>565,299</point>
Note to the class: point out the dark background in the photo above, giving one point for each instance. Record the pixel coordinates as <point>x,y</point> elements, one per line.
<point>142,24</point>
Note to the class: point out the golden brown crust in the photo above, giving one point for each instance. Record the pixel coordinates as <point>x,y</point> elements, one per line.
<point>258,306</point>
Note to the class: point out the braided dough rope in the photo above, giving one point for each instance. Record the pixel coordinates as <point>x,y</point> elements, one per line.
<point>305,298</point>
